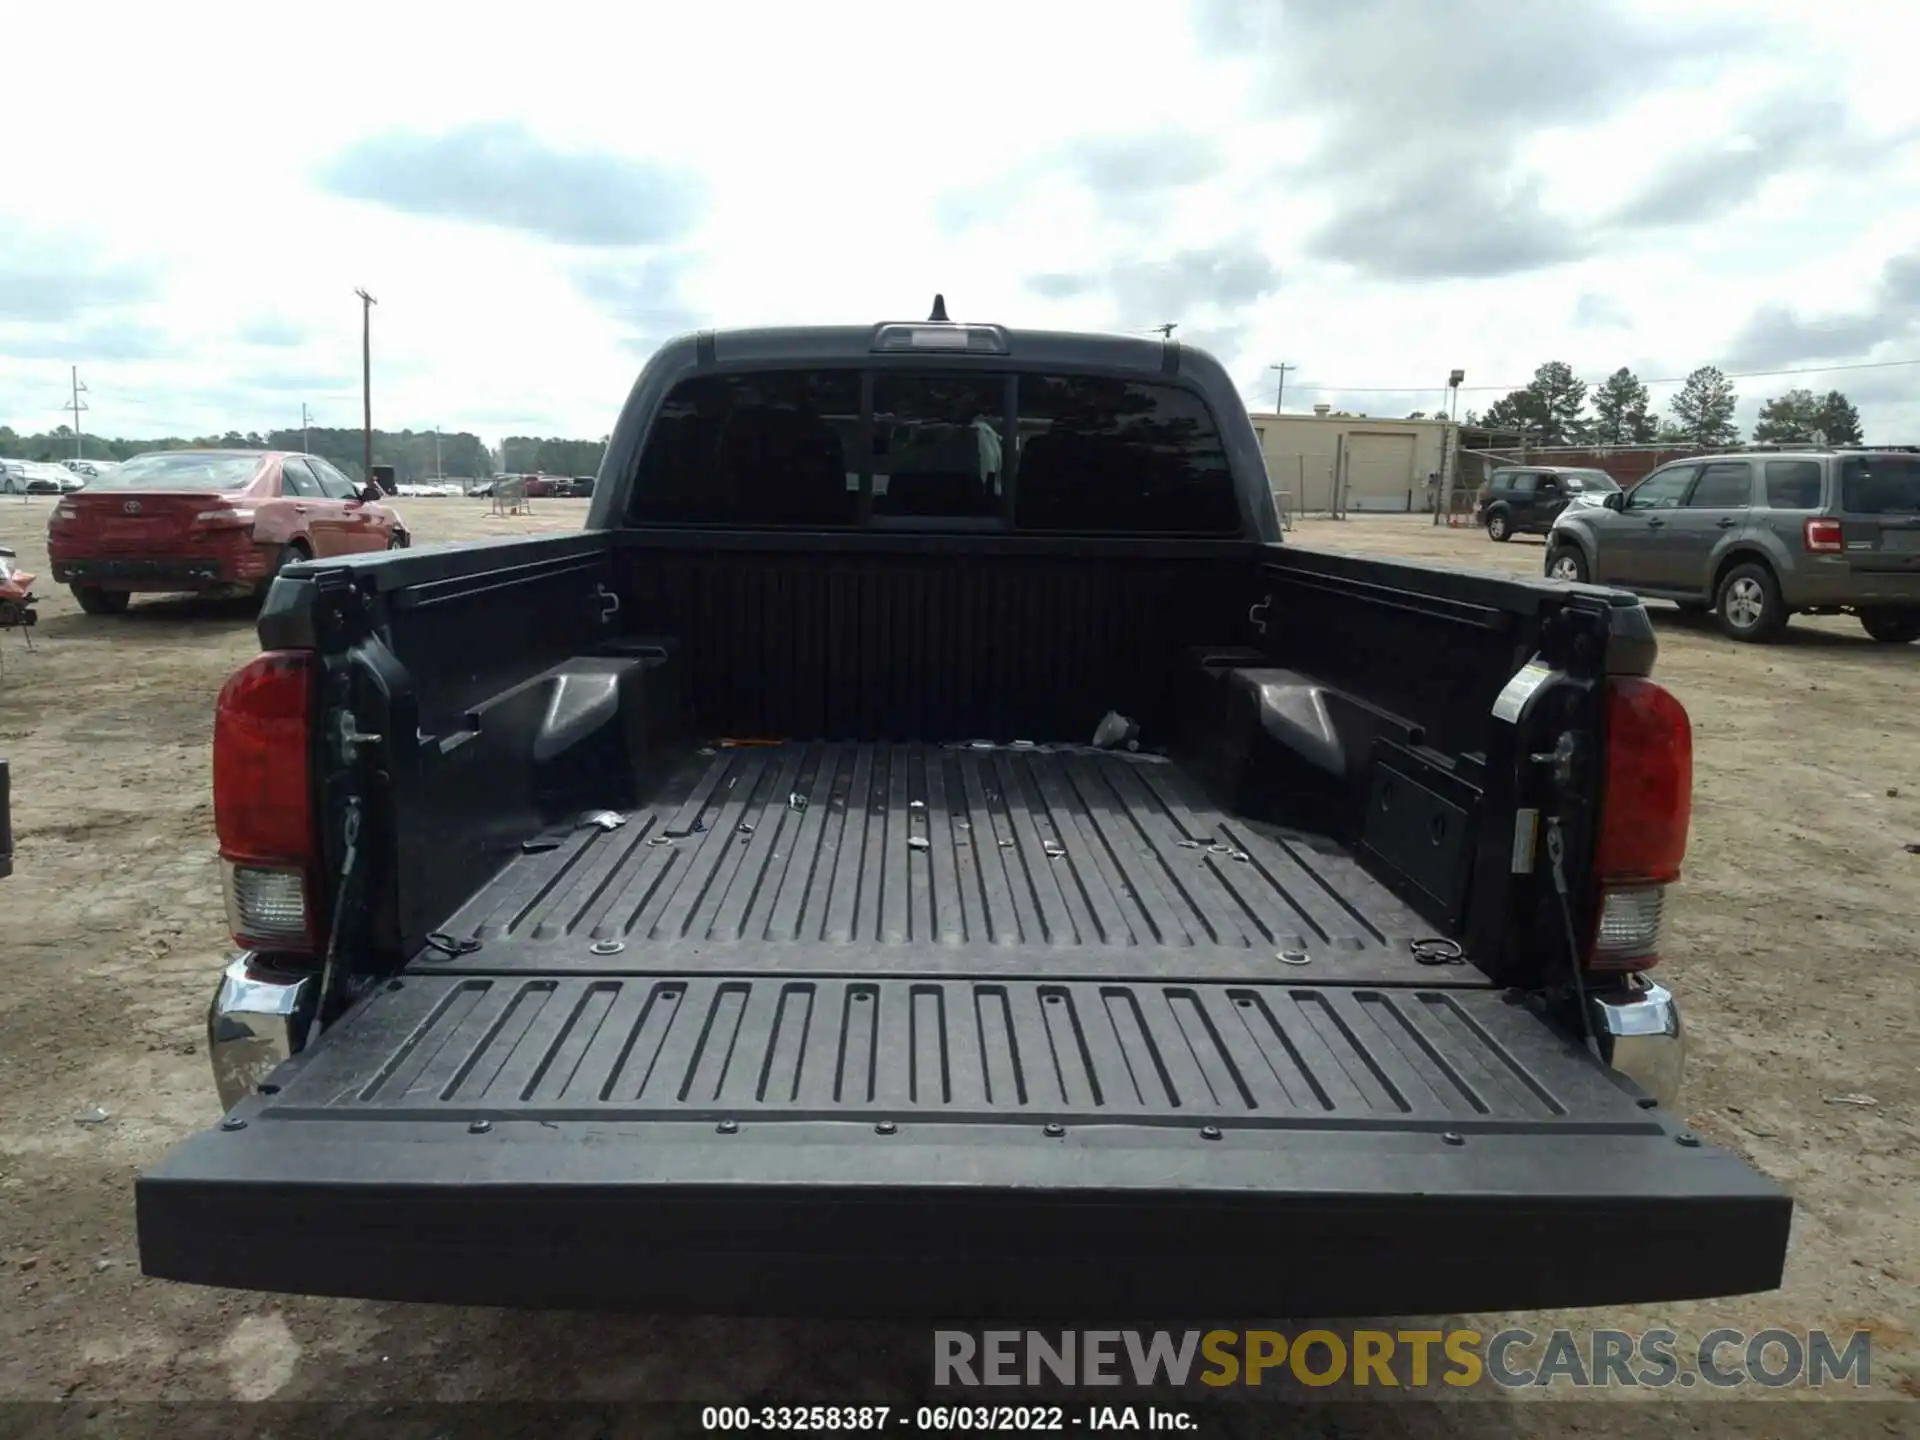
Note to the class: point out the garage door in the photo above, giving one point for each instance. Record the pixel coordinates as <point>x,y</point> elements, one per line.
<point>1380,472</point>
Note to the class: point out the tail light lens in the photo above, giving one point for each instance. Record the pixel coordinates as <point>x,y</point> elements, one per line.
<point>63,512</point>
<point>263,801</point>
<point>227,517</point>
<point>1645,809</point>
<point>1824,537</point>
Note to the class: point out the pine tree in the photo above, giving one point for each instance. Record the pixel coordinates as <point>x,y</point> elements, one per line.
<point>1703,410</point>
<point>1620,411</point>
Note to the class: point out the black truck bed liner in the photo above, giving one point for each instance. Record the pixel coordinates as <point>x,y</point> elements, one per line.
<point>766,1144</point>
<point>1040,862</point>
<point>829,1072</point>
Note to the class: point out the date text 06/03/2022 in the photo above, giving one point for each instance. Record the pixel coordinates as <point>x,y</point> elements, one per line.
<point>945,1419</point>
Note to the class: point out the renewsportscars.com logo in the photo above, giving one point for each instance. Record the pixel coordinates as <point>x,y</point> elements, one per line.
<point>1393,1359</point>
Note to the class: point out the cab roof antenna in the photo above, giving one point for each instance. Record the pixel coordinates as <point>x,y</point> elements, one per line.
<point>939,308</point>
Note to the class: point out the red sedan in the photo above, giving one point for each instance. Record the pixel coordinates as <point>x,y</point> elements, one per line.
<point>218,522</point>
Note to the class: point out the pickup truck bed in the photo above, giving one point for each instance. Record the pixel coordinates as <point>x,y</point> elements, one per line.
<point>1044,862</point>
<point>970,1073</point>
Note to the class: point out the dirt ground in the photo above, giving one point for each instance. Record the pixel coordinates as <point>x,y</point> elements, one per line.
<point>1791,944</point>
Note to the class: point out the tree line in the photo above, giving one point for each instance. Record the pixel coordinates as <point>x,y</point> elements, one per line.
<point>534,455</point>
<point>1556,408</point>
<point>414,454</point>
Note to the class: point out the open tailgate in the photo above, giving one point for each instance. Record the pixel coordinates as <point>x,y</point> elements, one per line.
<point>778,1144</point>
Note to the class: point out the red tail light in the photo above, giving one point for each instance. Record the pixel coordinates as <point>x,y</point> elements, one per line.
<point>1824,537</point>
<point>263,800</point>
<point>1645,810</point>
<point>224,517</point>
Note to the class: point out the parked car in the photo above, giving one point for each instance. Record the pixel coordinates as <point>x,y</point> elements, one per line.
<point>579,488</point>
<point>1526,500</point>
<point>1760,537</point>
<point>1329,998</point>
<point>537,485</point>
<point>13,477</point>
<point>89,469</point>
<point>216,521</point>
<point>43,477</point>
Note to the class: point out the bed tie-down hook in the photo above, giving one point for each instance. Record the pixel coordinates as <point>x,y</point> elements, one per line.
<point>1257,613</point>
<point>609,603</point>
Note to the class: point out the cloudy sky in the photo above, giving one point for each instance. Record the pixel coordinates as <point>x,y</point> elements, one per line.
<point>1373,191</point>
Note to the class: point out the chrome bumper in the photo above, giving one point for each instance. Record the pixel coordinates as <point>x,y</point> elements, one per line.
<point>1638,1027</point>
<point>258,1019</point>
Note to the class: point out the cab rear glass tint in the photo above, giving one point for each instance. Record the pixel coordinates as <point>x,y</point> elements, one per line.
<point>794,448</point>
<point>1118,455</point>
<point>937,445</point>
<point>777,447</point>
<point>1880,485</point>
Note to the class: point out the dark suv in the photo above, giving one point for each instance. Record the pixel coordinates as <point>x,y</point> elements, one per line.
<point>1759,537</point>
<point>1527,499</point>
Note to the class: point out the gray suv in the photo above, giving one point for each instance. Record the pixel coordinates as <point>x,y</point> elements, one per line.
<point>1759,537</point>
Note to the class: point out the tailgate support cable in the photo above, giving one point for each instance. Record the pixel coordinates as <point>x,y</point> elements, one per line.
<point>348,864</point>
<point>1556,856</point>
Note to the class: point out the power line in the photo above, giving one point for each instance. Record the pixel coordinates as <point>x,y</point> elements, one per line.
<point>1666,380</point>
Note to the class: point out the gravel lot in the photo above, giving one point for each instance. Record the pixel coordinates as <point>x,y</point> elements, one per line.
<point>1791,944</point>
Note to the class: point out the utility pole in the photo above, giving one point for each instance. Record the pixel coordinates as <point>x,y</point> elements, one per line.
<point>1280,395</point>
<point>367,302</point>
<point>1166,330</point>
<point>1450,446</point>
<point>76,405</point>
<point>438,473</point>
<point>306,426</point>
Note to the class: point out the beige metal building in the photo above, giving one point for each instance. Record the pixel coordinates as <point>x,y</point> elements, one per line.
<point>1323,462</point>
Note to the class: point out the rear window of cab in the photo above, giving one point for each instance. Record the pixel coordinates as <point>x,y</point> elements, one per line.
<point>916,448</point>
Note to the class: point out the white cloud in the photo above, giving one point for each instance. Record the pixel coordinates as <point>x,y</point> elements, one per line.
<point>1375,191</point>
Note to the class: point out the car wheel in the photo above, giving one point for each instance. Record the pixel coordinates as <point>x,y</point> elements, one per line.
<point>1748,604</point>
<point>96,601</point>
<point>1499,527</point>
<point>1891,627</point>
<point>399,540</point>
<point>1566,563</point>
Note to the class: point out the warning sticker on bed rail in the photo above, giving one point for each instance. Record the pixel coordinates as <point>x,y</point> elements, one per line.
<point>1518,691</point>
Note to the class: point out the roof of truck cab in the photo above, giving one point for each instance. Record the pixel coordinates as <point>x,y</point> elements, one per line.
<point>709,352</point>
<point>854,343</point>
